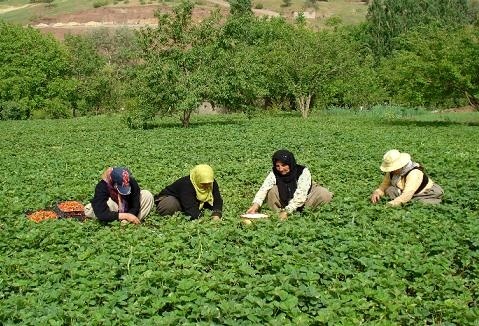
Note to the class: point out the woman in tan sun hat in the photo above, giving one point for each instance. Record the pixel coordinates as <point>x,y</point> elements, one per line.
<point>405,180</point>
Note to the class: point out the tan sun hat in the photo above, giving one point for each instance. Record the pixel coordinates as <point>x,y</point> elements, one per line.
<point>394,160</point>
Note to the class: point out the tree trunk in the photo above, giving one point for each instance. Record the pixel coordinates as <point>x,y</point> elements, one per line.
<point>473,101</point>
<point>267,102</point>
<point>185,118</point>
<point>303,104</point>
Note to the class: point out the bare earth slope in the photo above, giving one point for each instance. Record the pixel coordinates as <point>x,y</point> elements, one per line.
<point>134,15</point>
<point>128,16</point>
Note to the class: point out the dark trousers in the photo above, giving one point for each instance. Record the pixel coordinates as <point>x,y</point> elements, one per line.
<point>167,205</point>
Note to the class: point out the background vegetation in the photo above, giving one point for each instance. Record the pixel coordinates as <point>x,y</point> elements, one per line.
<point>245,63</point>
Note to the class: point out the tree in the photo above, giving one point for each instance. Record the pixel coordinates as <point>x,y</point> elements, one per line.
<point>175,75</point>
<point>312,67</point>
<point>389,18</point>
<point>240,7</point>
<point>272,63</point>
<point>118,46</point>
<point>239,78</point>
<point>240,68</point>
<point>32,67</point>
<point>435,67</point>
<point>87,72</point>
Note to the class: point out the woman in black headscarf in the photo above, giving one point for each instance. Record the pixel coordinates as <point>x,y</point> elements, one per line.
<point>289,187</point>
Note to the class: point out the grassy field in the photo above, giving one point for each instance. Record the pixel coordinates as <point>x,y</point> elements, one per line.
<point>31,12</point>
<point>348,263</point>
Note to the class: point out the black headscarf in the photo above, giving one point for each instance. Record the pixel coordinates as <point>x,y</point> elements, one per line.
<point>288,183</point>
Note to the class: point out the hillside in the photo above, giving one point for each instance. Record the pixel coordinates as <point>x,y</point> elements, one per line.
<point>70,16</point>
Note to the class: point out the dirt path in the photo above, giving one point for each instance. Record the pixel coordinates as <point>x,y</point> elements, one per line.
<point>12,8</point>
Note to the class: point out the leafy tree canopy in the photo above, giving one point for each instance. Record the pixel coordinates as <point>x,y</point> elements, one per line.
<point>30,65</point>
<point>389,18</point>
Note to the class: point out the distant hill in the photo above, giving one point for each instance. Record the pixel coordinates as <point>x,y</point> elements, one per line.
<point>79,16</point>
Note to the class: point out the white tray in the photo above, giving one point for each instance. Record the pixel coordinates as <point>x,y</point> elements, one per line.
<point>254,215</point>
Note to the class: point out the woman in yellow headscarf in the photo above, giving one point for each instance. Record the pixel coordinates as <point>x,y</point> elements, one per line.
<point>192,194</point>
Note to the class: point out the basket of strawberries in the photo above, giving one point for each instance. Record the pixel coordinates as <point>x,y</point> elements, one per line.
<point>70,209</point>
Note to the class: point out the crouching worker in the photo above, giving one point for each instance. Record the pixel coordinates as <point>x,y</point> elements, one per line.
<point>404,181</point>
<point>289,187</point>
<point>118,197</point>
<point>191,194</point>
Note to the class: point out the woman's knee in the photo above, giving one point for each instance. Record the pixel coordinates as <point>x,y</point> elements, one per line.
<point>146,197</point>
<point>317,196</point>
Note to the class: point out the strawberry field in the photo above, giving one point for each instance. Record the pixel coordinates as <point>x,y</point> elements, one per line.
<point>349,263</point>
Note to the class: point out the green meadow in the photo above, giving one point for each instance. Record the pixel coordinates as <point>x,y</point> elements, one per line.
<point>349,263</point>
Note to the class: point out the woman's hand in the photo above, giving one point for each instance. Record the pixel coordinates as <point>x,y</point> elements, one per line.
<point>283,215</point>
<point>375,197</point>
<point>392,203</point>
<point>128,217</point>
<point>253,209</point>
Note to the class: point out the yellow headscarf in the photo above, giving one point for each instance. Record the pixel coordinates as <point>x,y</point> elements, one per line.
<point>203,174</point>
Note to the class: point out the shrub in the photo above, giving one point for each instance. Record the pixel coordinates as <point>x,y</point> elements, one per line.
<point>14,110</point>
<point>29,65</point>
<point>387,19</point>
<point>435,67</point>
<point>100,3</point>
<point>334,21</point>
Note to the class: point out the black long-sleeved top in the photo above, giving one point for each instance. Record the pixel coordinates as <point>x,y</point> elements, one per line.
<point>183,190</point>
<point>101,209</point>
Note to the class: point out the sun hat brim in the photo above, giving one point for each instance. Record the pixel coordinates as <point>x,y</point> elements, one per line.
<point>401,161</point>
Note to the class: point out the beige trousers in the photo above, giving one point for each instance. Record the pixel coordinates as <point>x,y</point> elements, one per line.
<point>317,196</point>
<point>146,204</point>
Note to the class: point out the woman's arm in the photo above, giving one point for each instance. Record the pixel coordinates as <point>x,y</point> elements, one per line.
<point>187,198</point>
<point>301,193</point>
<point>268,183</point>
<point>134,198</point>
<point>258,200</point>
<point>99,203</point>
<point>379,192</point>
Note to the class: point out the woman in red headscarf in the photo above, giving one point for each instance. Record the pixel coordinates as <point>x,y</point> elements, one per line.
<point>119,197</point>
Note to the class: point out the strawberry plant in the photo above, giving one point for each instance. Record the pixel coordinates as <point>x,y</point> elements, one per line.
<point>348,263</point>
